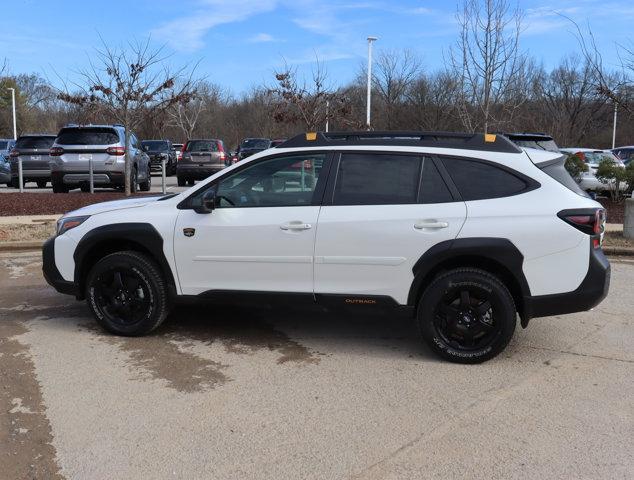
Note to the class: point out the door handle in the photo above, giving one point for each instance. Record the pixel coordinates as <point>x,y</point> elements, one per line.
<point>296,225</point>
<point>430,224</point>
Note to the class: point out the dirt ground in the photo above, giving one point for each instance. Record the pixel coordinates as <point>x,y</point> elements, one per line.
<point>234,392</point>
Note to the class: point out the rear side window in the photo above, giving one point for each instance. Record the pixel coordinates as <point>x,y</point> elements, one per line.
<point>87,136</point>
<point>34,142</point>
<point>202,146</point>
<point>477,180</point>
<point>557,170</point>
<point>377,179</point>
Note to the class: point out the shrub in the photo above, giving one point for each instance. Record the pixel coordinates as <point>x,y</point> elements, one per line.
<point>612,174</point>
<point>575,166</point>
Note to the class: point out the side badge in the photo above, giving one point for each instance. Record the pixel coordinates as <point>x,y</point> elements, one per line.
<point>189,232</point>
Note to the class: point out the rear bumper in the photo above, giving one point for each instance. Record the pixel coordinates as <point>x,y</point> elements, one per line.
<point>593,289</point>
<point>35,174</point>
<point>51,273</point>
<point>100,178</point>
<point>197,172</point>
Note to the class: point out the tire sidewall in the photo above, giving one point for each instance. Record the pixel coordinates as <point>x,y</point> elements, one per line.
<point>501,302</point>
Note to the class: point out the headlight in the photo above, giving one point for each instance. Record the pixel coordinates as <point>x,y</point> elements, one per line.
<point>68,223</point>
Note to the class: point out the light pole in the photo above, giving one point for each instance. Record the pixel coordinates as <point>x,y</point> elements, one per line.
<point>367,114</point>
<point>15,132</point>
<point>616,105</point>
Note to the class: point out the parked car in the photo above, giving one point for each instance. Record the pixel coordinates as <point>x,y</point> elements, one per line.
<point>539,141</point>
<point>625,154</point>
<point>593,157</point>
<point>179,150</point>
<point>33,151</point>
<point>5,170</point>
<point>103,145</point>
<point>158,150</point>
<point>277,142</point>
<point>249,146</point>
<point>412,221</point>
<point>6,145</point>
<point>200,159</point>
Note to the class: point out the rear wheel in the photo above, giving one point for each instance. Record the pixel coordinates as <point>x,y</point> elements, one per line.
<point>85,187</point>
<point>181,181</point>
<point>15,183</point>
<point>41,183</point>
<point>133,181</point>
<point>191,181</point>
<point>126,293</point>
<point>145,186</point>
<point>466,315</point>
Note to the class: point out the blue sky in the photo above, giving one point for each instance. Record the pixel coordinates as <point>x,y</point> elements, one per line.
<point>240,43</point>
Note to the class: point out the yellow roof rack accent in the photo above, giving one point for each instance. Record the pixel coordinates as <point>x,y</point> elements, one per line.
<point>489,137</point>
<point>310,136</point>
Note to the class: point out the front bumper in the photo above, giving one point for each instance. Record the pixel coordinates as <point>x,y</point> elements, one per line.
<point>51,273</point>
<point>593,289</point>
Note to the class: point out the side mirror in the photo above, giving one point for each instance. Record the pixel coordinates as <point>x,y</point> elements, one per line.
<point>208,203</point>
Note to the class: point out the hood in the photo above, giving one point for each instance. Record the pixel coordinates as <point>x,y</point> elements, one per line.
<point>103,207</point>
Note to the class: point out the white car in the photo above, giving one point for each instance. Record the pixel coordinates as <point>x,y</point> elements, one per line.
<point>593,157</point>
<point>465,231</point>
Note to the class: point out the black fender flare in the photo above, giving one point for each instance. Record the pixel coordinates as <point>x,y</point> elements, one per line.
<point>141,234</point>
<point>498,251</point>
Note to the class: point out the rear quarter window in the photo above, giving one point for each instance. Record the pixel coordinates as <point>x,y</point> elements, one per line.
<point>87,136</point>
<point>477,180</point>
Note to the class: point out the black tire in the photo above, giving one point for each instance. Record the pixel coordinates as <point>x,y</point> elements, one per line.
<point>133,181</point>
<point>466,328</point>
<point>85,187</point>
<point>41,183</point>
<point>126,293</point>
<point>145,186</point>
<point>171,168</point>
<point>15,183</point>
<point>59,187</point>
<point>181,181</point>
<point>191,181</point>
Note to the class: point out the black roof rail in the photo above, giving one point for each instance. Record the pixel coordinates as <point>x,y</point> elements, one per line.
<point>468,141</point>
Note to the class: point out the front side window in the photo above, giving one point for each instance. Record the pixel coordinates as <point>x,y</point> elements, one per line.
<point>279,182</point>
<point>477,180</point>
<point>377,179</point>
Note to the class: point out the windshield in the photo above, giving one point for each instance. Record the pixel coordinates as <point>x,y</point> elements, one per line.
<point>154,145</point>
<point>255,143</point>
<point>202,146</point>
<point>34,142</point>
<point>87,136</point>
<point>595,158</point>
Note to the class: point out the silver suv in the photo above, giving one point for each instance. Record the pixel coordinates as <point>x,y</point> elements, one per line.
<point>77,146</point>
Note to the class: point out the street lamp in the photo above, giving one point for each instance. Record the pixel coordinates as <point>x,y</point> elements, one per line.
<point>367,114</point>
<point>15,132</point>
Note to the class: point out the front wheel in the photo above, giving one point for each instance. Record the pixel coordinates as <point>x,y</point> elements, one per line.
<point>466,315</point>
<point>126,293</point>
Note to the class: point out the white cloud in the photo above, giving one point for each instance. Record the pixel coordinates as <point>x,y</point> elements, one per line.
<point>262,38</point>
<point>187,33</point>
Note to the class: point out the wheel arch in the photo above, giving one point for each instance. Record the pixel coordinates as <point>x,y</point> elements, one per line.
<point>498,256</point>
<point>107,239</point>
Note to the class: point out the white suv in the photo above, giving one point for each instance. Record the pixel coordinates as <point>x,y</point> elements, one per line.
<point>465,231</point>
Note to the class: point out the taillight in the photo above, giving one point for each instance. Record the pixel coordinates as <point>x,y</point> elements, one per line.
<point>56,151</point>
<point>221,148</point>
<point>14,153</point>
<point>115,151</point>
<point>182,152</point>
<point>589,221</point>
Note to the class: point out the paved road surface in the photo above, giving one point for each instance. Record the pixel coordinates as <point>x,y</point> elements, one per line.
<point>235,393</point>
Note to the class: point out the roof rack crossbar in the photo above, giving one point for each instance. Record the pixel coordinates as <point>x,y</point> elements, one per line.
<point>470,141</point>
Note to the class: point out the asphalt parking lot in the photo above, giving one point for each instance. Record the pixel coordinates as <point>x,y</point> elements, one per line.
<point>170,186</point>
<point>227,392</point>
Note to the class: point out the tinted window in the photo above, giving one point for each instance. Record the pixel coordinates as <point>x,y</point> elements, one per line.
<point>87,136</point>
<point>282,181</point>
<point>34,142</point>
<point>255,143</point>
<point>557,170</point>
<point>477,180</point>
<point>3,145</point>
<point>154,145</point>
<point>433,188</point>
<point>367,179</point>
<point>548,145</point>
<point>202,146</point>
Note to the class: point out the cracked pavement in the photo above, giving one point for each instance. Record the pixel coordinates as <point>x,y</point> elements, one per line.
<point>231,392</point>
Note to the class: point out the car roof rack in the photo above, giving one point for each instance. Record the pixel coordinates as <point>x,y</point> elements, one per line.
<point>468,141</point>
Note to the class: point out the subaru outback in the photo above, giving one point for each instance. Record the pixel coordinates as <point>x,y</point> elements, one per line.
<point>78,147</point>
<point>466,232</point>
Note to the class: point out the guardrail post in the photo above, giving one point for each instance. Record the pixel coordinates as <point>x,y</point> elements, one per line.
<point>163,180</point>
<point>90,174</point>
<point>20,176</point>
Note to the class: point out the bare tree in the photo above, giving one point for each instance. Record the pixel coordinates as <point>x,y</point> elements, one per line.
<point>186,114</point>
<point>486,60</point>
<point>127,85</point>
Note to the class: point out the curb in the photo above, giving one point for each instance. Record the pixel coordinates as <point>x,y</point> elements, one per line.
<point>619,251</point>
<point>21,246</point>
